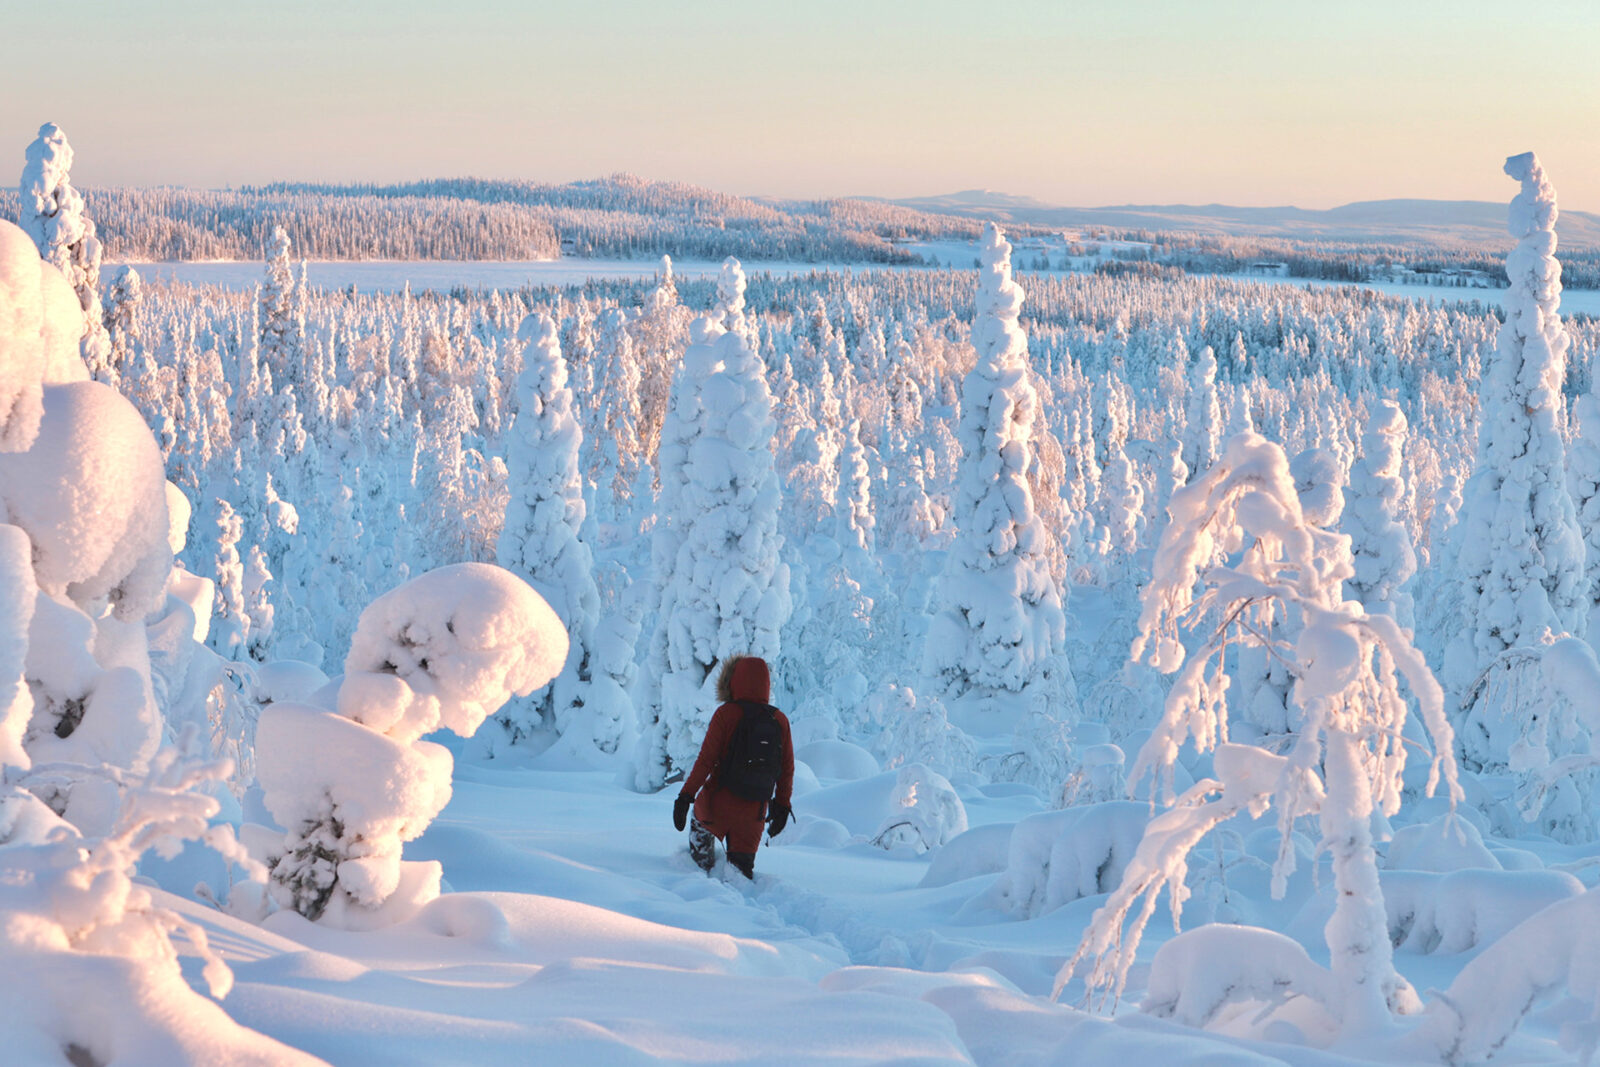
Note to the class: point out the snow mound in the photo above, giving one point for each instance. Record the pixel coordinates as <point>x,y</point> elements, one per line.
<point>1057,857</point>
<point>925,811</point>
<point>1200,972</point>
<point>22,355</point>
<point>1433,913</point>
<point>1448,843</point>
<point>838,760</point>
<point>91,495</point>
<point>981,850</point>
<point>60,328</point>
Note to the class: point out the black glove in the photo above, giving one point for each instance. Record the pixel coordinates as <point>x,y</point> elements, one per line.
<point>777,818</point>
<point>680,810</point>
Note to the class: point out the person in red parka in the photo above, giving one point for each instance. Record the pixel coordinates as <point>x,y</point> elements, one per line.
<point>744,776</point>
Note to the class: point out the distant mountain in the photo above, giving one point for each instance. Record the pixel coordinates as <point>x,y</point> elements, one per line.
<point>1437,221</point>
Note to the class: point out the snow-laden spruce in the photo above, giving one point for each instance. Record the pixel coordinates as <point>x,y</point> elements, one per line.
<point>723,589</point>
<point>1203,416</point>
<point>1520,553</point>
<point>541,539</point>
<point>1347,757</point>
<point>1583,481</point>
<point>1381,549</point>
<point>999,629</point>
<point>54,216</point>
<point>353,780</point>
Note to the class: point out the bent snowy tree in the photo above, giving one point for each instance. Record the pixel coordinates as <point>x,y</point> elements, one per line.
<point>1347,757</point>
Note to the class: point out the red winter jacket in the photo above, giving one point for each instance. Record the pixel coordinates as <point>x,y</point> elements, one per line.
<point>733,818</point>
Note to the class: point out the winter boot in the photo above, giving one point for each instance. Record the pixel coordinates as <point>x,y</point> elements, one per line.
<point>702,846</point>
<point>744,863</point>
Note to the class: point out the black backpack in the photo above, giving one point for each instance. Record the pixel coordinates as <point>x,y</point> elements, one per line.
<point>749,767</point>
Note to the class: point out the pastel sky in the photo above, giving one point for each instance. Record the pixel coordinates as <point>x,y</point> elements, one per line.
<point>1079,103</point>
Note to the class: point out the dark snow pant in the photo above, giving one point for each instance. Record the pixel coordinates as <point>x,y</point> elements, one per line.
<point>702,846</point>
<point>703,849</point>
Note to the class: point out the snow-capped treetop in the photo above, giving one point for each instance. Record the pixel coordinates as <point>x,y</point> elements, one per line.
<point>1534,208</point>
<point>1320,481</point>
<point>52,210</point>
<point>53,214</point>
<point>730,294</point>
<point>462,638</point>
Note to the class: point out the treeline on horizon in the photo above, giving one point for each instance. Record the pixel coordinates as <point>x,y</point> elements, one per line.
<point>626,217</point>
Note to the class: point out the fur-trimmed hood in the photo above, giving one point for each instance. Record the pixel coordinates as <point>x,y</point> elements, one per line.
<point>744,678</point>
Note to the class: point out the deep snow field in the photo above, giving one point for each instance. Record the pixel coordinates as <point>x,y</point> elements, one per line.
<point>578,931</point>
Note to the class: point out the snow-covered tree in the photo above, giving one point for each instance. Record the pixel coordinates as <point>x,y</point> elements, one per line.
<point>1346,761</point>
<point>1203,420</point>
<point>1381,547</point>
<point>230,627</point>
<point>1000,628</point>
<point>282,315</point>
<point>724,590</point>
<point>541,539</point>
<point>354,780</point>
<point>1520,553</point>
<point>54,216</point>
<point>1583,481</point>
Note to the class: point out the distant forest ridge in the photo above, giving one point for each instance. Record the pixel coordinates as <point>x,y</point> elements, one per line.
<point>620,217</point>
<point>1453,243</point>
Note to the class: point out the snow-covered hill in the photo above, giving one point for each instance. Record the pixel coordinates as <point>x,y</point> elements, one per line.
<point>1386,221</point>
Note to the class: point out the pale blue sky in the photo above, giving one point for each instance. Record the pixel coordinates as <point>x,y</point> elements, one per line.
<point>1114,101</point>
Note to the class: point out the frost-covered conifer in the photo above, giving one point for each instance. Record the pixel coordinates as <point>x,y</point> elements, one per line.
<point>282,315</point>
<point>541,540</point>
<point>999,629</point>
<point>660,333</point>
<point>614,413</point>
<point>917,730</point>
<point>724,590</point>
<point>1520,553</point>
<point>1380,546</point>
<point>230,624</point>
<point>1203,421</point>
<point>124,329</point>
<point>854,509</point>
<point>1122,497</point>
<point>1583,480</point>
<point>258,606</point>
<point>53,214</point>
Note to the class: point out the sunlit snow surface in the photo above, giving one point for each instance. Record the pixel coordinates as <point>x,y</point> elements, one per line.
<point>579,932</point>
